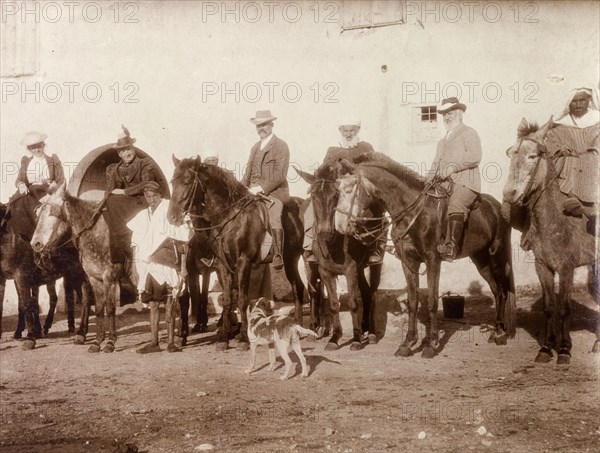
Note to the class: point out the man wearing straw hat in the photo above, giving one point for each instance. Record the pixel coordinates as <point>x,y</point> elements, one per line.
<point>266,173</point>
<point>457,159</point>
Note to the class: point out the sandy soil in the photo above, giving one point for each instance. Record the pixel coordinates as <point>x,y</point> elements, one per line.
<point>473,396</point>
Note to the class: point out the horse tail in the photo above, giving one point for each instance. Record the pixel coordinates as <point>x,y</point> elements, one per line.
<point>510,305</point>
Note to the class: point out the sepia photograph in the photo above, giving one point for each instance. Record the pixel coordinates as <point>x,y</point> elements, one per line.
<point>299,226</point>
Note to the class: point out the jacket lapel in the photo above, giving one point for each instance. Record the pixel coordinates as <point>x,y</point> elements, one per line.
<point>267,149</point>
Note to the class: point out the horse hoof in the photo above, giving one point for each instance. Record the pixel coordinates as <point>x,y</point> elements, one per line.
<point>28,344</point>
<point>501,340</point>
<point>172,347</point>
<point>37,335</point>
<point>330,346</point>
<point>543,356</point>
<point>17,335</point>
<point>243,346</point>
<point>356,346</point>
<point>148,349</point>
<point>94,347</point>
<point>200,328</point>
<point>222,346</point>
<point>183,341</point>
<point>79,340</point>
<point>46,332</point>
<point>563,359</point>
<point>320,332</point>
<point>109,347</point>
<point>372,338</point>
<point>596,347</point>
<point>403,351</point>
<point>71,330</point>
<point>428,353</point>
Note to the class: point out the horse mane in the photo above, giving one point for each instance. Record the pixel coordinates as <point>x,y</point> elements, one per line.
<point>227,185</point>
<point>402,172</point>
<point>530,129</point>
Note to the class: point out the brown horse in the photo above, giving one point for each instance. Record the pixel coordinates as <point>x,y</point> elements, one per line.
<point>64,218</point>
<point>380,182</point>
<point>237,226</point>
<point>339,254</point>
<point>560,243</point>
<point>19,263</point>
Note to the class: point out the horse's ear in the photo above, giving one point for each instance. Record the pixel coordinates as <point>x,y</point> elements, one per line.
<point>523,128</point>
<point>541,133</point>
<point>175,160</point>
<point>304,175</point>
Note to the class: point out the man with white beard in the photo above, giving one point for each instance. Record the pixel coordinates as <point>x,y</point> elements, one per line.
<point>457,159</point>
<point>350,146</point>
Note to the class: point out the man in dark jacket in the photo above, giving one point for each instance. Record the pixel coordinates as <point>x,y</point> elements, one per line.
<point>266,173</point>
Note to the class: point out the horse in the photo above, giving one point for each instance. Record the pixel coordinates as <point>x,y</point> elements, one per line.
<point>67,219</point>
<point>560,243</point>
<point>339,254</point>
<point>237,227</point>
<point>19,263</point>
<point>378,182</point>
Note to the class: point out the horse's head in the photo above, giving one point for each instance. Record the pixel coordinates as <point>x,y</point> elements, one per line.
<point>354,206</point>
<point>187,193</point>
<point>324,192</point>
<point>528,164</point>
<point>52,226</point>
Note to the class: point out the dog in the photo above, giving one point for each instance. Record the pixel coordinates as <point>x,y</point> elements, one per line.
<point>275,330</point>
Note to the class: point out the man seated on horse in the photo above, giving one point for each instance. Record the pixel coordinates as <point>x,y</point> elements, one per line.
<point>350,147</point>
<point>574,140</point>
<point>124,194</point>
<point>158,258</point>
<point>266,173</point>
<point>39,175</point>
<point>457,159</point>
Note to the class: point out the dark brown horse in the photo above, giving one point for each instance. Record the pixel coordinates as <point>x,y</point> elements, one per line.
<point>560,243</point>
<point>64,218</point>
<point>380,182</point>
<point>339,254</point>
<point>19,263</point>
<point>237,227</point>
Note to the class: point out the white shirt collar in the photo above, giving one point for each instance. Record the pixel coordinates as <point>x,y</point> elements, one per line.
<point>265,141</point>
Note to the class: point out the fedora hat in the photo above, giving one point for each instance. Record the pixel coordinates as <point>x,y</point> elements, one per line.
<point>33,138</point>
<point>450,104</point>
<point>262,117</point>
<point>124,140</point>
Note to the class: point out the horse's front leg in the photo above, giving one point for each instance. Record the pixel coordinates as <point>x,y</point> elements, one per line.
<point>409,266</point>
<point>431,342</point>
<point>53,297</point>
<point>355,303</point>
<point>112,299</point>
<point>224,330</point>
<point>334,309</point>
<point>565,287</point>
<point>28,307</point>
<point>100,297</point>
<point>546,277</point>
<point>87,298</point>
<point>243,279</point>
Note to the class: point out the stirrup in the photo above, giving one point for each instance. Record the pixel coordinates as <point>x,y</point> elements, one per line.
<point>277,262</point>
<point>375,260</point>
<point>309,257</point>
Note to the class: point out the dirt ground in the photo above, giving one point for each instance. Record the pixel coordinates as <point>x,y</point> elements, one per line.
<point>473,396</point>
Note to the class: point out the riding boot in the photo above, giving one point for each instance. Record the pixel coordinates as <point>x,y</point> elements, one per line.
<point>278,243</point>
<point>449,250</point>
<point>309,257</point>
<point>377,253</point>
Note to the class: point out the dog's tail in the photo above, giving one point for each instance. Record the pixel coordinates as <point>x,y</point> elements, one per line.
<point>304,332</point>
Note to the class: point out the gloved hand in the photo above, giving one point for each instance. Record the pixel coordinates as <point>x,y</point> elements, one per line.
<point>22,188</point>
<point>256,189</point>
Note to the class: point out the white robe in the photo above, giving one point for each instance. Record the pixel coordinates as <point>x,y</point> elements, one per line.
<point>150,229</point>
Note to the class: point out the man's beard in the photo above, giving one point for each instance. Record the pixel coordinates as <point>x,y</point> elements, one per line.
<point>345,143</point>
<point>451,125</point>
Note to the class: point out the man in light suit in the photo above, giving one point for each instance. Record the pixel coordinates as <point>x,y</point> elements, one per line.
<point>266,173</point>
<point>457,158</point>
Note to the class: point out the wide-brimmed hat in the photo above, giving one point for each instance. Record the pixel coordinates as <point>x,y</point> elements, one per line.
<point>450,104</point>
<point>33,138</point>
<point>262,117</point>
<point>152,186</point>
<point>124,140</point>
<point>213,159</point>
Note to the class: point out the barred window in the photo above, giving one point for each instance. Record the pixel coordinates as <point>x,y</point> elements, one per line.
<point>424,123</point>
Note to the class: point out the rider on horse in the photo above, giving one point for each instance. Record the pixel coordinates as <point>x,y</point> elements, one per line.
<point>350,147</point>
<point>266,172</point>
<point>39,175</point>
<point>457,158</point>
<point>575,137</point>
